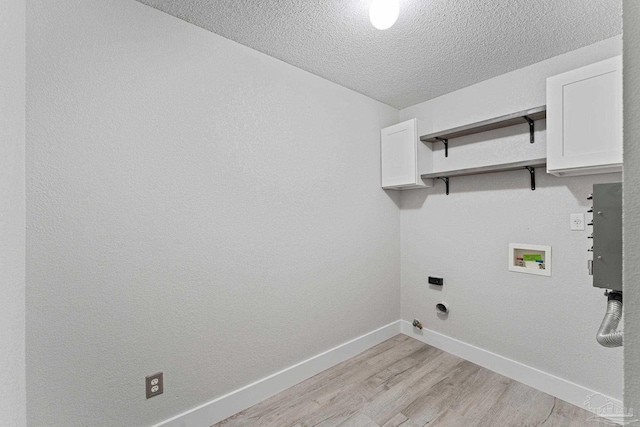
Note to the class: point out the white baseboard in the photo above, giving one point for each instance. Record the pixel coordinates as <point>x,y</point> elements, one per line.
<point>236,401</point>
<point>550,384</point>
<point>223,407</point>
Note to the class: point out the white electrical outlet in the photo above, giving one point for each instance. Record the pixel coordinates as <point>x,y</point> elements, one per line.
<point>577,222</point>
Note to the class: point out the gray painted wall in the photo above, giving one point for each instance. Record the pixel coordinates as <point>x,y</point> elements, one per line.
<point>548,323</point>
<point>194,204</point>
<point>195,207</point>
<point>632,205</point>
<point>12,213</point>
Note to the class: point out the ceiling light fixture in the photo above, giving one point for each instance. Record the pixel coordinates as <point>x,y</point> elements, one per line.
<point>384,13</point>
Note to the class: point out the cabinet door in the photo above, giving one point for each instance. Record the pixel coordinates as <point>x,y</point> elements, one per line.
<point>398,146</point>
<point>584,120</point>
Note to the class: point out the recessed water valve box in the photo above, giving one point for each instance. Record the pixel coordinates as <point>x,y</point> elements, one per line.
<point>439,281</point>
<point>530,259</point>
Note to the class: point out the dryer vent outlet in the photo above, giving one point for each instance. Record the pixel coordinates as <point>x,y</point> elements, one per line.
<point>442,308</point>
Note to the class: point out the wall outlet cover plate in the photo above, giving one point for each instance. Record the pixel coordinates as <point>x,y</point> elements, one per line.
<point>577,222</point>
<point>154,385</point>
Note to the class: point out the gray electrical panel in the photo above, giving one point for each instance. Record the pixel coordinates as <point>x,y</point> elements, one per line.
<point>607,236</point>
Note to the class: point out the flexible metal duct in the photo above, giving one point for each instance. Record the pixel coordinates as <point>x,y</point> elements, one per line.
<point>608,335</point>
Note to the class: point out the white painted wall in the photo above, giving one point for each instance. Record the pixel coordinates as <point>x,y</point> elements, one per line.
<point>546,323</point>
<point>631,197</point>
<point>12,213</point>
<point>195,207</point>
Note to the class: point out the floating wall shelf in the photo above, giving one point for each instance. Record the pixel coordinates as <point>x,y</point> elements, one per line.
<point>529,165</point>
<point>526,116</point>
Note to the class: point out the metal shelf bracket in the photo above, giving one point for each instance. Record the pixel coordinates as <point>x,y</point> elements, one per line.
<point>446,146</point>
<point>446,183</point>
<point>531,129</point>
<point>532,172</point>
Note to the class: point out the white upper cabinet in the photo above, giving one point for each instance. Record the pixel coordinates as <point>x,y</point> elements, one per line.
<point>584,120</point>
<point>404,157</point>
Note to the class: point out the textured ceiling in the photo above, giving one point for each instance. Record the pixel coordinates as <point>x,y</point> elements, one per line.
<point>436,47</point>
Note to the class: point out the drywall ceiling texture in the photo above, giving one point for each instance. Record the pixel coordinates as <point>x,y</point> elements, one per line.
<point>436,46</point>
<point>195,207</point>
<point>548,323</point>
<point>631,208</point>
<point>12,213</point>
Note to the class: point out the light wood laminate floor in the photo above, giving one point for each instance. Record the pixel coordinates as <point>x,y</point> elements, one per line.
<point>405,383</point>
